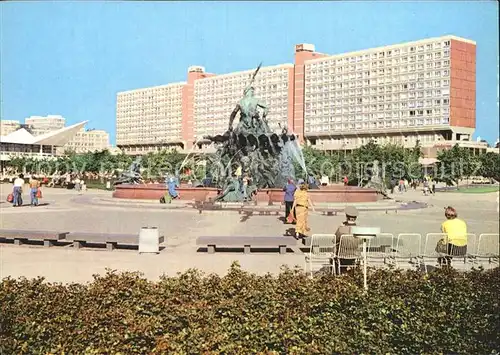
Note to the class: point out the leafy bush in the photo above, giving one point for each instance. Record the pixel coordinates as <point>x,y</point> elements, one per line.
<point>241,313</point>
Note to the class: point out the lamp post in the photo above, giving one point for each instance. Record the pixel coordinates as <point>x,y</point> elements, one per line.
<point>365,233</point>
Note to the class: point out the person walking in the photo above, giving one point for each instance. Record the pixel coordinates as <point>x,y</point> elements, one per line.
<point>301,205</point>
<point>455,243</point>
<point>289,189</point>
<point>34,188</point>
<point>18,191</point>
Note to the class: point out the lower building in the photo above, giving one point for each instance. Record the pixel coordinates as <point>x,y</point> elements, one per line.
<point>22,143</point>
<point>89,140</point>
<point>8,126</point>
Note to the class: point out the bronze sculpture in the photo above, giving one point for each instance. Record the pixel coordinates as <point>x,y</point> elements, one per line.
<point>133,175</point>
<point>253,147</point>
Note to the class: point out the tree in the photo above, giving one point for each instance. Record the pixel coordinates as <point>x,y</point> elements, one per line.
<point>490,165</point>
<point>455,164</point>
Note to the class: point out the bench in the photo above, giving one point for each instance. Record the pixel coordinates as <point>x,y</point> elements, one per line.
<point>20,236</point>
<point>111,240</point>
<point>328,212</point>
<point>261,212</point>
<point>212,242</point>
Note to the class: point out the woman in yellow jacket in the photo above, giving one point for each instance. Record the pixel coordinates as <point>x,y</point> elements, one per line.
<point>301,205</point>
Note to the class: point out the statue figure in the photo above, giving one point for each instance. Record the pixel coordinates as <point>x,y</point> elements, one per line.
<point>250,121</point>
<point>133,175</point>
<point>232,191</point>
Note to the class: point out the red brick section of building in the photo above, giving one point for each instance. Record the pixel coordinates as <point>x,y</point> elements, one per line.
<point>463,84</point>
<point>188,106</point>
<point>301,56</point>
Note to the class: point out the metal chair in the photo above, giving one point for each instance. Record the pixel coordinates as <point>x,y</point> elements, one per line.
<point>435,247</point>
<point>379,247</point>
<point>472,242</point>
<point>407,246</point>
<point>349,248</point>
<point>487,248</point>
<point>322,250</point>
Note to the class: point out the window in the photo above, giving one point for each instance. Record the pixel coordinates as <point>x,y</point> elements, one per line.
<point>446,43</point>
<point>412,113</point>
<point>446,101</point>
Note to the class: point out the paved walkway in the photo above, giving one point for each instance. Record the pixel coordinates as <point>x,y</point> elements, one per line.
<point>181,228</point>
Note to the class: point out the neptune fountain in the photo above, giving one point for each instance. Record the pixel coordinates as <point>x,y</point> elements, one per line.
<point>264,156</point>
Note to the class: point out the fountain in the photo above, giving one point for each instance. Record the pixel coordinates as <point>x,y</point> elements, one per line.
<point>252,151</point>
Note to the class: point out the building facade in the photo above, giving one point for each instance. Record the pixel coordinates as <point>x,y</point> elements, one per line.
<point>90,140</point>
<point>417,91</point>
<point>44,124</point>
<point>149,119</point>
<point>8,126</point>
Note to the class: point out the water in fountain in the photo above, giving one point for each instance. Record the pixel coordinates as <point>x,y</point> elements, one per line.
<point>292,148</point>
<point>189,153</point>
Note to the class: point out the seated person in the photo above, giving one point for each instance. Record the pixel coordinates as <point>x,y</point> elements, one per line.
<point>456,236</point>
<point>351,214</point>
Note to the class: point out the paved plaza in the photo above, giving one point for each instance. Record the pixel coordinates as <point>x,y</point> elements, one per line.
<point>95,211</point>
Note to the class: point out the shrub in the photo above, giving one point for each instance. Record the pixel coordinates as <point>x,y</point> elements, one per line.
<point>241,313</point>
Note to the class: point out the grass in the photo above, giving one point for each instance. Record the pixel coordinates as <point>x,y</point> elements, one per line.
<point>477,190</point>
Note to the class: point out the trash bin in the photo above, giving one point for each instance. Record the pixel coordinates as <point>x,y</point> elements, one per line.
<point>149,240</point>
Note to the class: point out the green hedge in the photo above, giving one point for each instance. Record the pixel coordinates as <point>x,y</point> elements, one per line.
<point>241,313</point>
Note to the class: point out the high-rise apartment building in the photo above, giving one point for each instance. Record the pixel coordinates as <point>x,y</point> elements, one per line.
<point>44,124</point>
<point>150,118</point>
<point>90,140</point>
<point>416,91</point>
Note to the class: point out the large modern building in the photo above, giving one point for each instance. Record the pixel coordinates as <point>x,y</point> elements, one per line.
<point>416,91</point>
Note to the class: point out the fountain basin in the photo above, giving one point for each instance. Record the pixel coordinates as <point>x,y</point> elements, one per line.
<point>326,194</point>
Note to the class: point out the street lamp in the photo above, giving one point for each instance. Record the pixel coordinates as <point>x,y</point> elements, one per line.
<point>365,233</point>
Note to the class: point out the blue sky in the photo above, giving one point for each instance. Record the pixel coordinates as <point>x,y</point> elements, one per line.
<point>71,58</point>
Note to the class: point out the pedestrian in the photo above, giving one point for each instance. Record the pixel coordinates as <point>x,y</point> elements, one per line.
<point>34,188</point>
<point>18,191</point>
<point>301,205</point>
<point>346,180</point>
<point>433,187</point>
<point>77,183</point>
<point>244,187</point>
<point>289,189</point>
<point>426,187</point>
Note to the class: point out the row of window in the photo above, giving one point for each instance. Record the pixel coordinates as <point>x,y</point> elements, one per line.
<point>263,73</point>
<point>379,125</point>
<point>370,115</point>
<point>395,98</point>
<point>432,60</point>
<point>364,74</point>
<point>340,89</point>
<point>357,82</point>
